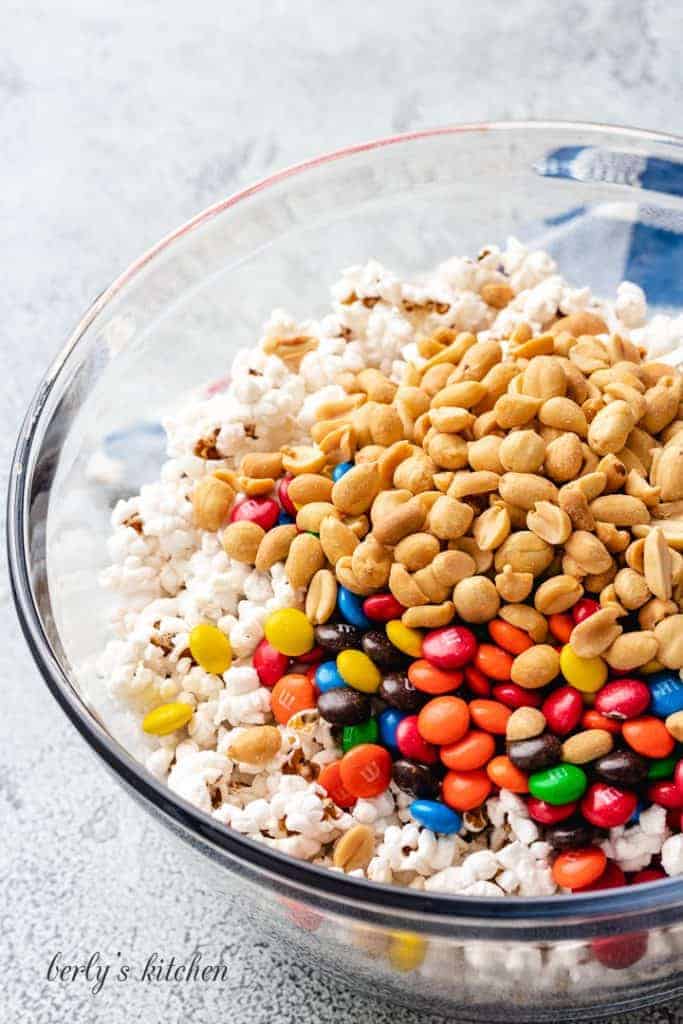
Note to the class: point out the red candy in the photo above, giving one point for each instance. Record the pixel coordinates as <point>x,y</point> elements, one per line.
<point>515,696</point>
<point>313,656</point>
<point>262,511</point>
<point>611,878</point>
<point>450,647</point>
<point>411,744</point>
<point>583,609</point>
<point>477,681</point>
<point>382,607</point>
<point>283,494</point>
<point>620,951</point>
<point>666,794</point>
<point>549,814</point>
<point>622,699</point>
<point>648,875</point>
<point>270,665</point>
<point>562,710</point>
<point>678,775</point>
<point>607,806</point>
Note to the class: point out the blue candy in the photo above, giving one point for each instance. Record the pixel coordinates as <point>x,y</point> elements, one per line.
<point>327,677</point>
<point>635,817</point>
<point>351,608</point>
<point>388,723</point>
<point>436,816</point>
<point>666,691</point>
<point>338,471</point>
<point>284,519</point>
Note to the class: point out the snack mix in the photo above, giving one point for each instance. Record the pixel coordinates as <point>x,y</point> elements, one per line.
<point>407,598</point>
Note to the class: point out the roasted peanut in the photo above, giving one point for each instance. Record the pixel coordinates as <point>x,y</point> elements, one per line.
<point>274,546</point>
<point>241,541</point>
<point>514,586</point>
<point>416,551</point>
<point>535,667</point>
<point>321,598</point>
<point>309,487</point>
<point>557,594</point>
<point>549,522</point>
<point>476,599</point>
<point>449,519</point>
<point>595,634</point>
<point>354,493</point>
<point>212,500</point>
<point>304,558</point>
<point>631,589</point>
<point>522,451</point>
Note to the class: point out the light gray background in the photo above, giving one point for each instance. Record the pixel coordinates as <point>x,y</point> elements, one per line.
<point>118,121</point>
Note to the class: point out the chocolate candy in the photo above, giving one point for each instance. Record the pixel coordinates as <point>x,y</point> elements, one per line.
<point>338,636</point>
<point>561,784</point>
<point>666,689</point>
<point>344,706</point>
<point>417,779</point>
<point>622,768</point>
<point>623,698</point>
<point>570,835</point>
<point>608,806</point>
<point>562,710</point>
<point>533,754</point>
<point>450,647</point>
<point>377,646</point>
<point>397,690</point>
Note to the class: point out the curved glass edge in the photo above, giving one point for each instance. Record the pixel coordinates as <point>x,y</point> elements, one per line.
<point>568,916</point>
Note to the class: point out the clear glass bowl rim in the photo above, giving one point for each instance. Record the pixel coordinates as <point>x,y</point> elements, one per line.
<point>312,882</point>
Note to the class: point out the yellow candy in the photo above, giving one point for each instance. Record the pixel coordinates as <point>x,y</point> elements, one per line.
<point>289,632</point>
<point>584,674</point>
<point>652,666</point>
<point>167,718</point>
<point>406,951</point>
<point>406,639</point>
<point>358,671</point>
<point>211,649</point>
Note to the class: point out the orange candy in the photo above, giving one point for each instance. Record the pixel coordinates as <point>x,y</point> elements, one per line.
<point>443,720</point>
<point>330,780</point>
<point>594,720</point>
<point>575,868</point>
<point>463,791</point>
<point>291,694</point>
<point>493,662</point>
<point>490,715</point>
<point>503,773</point>
<point>365,770</point>
<point>474,750</point>
<point>561,625</point>
<point>429,679</point>
<point>648,736</point>
<point>510,638</point>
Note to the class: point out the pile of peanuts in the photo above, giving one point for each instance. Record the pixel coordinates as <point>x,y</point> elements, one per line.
<point>489,484</point>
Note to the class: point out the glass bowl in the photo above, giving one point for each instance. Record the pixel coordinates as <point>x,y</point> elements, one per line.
<point>608,204</point>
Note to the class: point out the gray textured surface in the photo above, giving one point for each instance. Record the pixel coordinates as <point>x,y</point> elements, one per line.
<point>117,122</point>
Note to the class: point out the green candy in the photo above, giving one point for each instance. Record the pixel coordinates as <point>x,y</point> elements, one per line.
<point>353,735</point>
<point>663,767</point>
<point>561,784</point>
